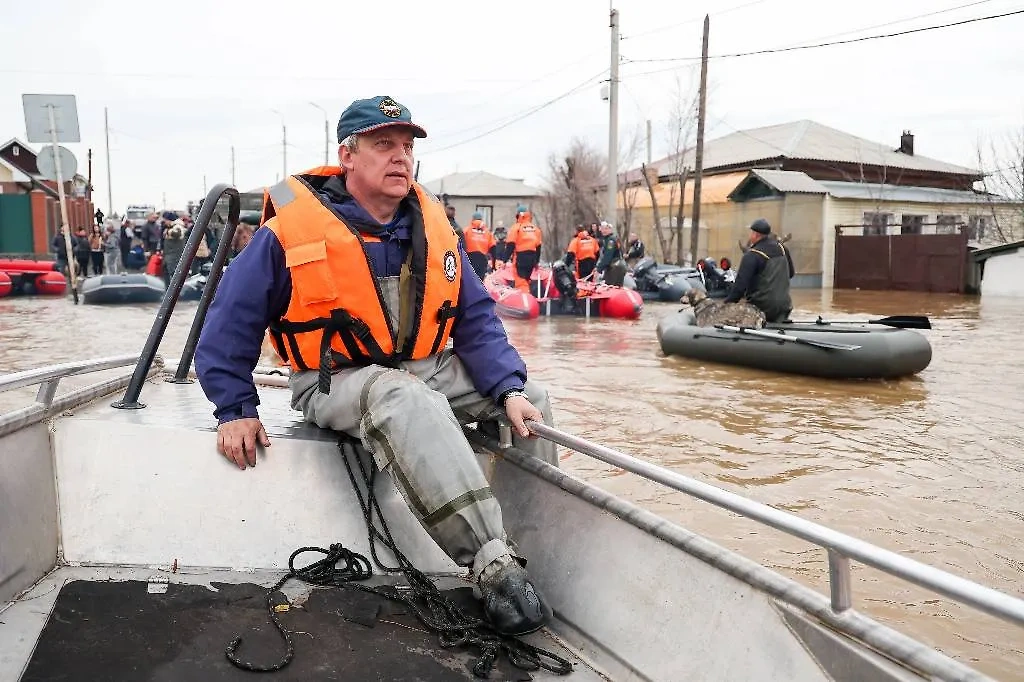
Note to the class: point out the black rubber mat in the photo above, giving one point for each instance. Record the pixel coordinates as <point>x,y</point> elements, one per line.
<point>102,631</point>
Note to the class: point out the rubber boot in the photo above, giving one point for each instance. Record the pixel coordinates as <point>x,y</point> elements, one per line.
<point>512,603</point>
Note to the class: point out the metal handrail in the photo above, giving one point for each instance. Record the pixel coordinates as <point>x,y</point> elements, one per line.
<point>39,375</point>
<point>841,547</point>
<point>170,299</point>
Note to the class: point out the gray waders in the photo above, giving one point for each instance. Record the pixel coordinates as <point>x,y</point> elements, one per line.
<point>409,419</point>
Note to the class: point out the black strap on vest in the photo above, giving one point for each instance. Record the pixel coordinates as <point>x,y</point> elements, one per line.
<point>446,312</point>
<point>351,331</point>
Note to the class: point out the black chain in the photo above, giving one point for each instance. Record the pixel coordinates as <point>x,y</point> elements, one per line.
<point>437,612</point>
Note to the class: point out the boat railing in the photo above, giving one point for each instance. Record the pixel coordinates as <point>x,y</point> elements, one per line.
<point>200,230</point>
<point>48,379</point>
<point>840,548</point>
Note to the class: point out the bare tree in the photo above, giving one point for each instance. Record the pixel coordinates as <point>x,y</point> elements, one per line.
<point>682,126</point>
<point>650,180</point>
<point>569,193</point>
<point>1003,186</point>
<point>629,153</point>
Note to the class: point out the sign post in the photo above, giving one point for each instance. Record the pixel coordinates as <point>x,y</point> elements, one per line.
<point>41,115</point>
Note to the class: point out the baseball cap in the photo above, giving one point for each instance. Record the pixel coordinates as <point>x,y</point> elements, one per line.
<point>364,115</point>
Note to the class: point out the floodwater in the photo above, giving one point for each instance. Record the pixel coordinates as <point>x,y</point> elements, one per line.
<point>931,466</point>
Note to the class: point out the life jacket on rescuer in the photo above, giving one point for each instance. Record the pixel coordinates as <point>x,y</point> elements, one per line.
<point>337,315</point>
<point>478,238</point>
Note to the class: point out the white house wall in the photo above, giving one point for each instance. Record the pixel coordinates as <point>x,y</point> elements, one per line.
<point>1004,274</point>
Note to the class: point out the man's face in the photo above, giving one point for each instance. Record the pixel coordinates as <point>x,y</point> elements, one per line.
<point>382,163</point>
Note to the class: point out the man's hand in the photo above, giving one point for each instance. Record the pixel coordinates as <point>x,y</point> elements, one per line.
<point>237,440</point>
<point>519,409</point>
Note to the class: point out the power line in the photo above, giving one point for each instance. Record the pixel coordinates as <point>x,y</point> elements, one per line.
<point>519,117</point>
<point>794,48</point>
<point>899,21</point>
<point>661,29</point>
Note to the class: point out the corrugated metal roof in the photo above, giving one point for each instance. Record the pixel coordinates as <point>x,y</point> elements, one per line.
<point>988,252</point>
<point>714,189</point>
<point>790,181</point>
<point>921,195</point>
<point>807,140</point>
<point>481,184</point>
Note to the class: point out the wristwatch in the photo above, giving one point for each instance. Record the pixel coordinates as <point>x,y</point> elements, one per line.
<point>508,394</point>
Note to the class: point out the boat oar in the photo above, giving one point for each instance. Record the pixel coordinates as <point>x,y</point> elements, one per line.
<point>786,337</point>
<point>898,321</point>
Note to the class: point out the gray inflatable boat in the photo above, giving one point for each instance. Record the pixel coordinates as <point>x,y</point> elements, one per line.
<point>126,288</point>
<point>834,351</point>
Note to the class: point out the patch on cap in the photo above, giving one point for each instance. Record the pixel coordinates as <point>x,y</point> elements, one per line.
<point>390,108</point>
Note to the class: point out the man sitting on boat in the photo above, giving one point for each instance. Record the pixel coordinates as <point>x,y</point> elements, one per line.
<point>764,274</point>
<point>363,281</point>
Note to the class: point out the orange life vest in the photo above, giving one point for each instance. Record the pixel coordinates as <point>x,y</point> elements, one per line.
<point>524,235</point>
<point>337,315</point>
<point>478,238</point>
<point>583,246</point>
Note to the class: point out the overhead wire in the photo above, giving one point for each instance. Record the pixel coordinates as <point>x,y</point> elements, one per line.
<point>794,48</point>
<point>518,117</point>
<point>662,29</point>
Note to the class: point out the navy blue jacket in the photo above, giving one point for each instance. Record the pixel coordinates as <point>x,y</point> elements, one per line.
<point>256,289</point>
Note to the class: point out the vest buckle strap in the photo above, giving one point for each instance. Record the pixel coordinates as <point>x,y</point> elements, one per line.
<point>446,312</point>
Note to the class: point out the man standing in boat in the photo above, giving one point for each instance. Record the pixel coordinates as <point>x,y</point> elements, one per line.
<point>479,244</point>
<point>764,274</point>
<point>582,252</point>
<point>522,246</point>
<point>363,282</point>
<point>611,255</point>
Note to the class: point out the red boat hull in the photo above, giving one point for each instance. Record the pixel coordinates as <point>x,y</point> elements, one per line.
<point>593,300</point>
<point>6,285</point>
<point>17,266</point>
<point>51,284</point>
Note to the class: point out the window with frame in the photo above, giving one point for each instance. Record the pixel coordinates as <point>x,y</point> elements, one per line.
<point>946,224</point>
<point>911,224</point>
<point>977,226</point>
<point>487,211</point>
<point>876,223</point>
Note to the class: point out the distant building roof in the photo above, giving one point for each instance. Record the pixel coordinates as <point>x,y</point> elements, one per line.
<point>480,184</point>
<point>17,175</point>
<point>987,252</point>
<point>809,141</point>
<point>921,195</point>
<point>786,182</point>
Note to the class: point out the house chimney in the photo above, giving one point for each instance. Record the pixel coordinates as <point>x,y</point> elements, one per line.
<point>907,143</point>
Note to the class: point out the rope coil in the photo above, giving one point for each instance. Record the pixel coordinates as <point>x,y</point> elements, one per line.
<point>453,627</point>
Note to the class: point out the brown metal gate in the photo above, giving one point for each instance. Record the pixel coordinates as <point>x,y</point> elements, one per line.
<point>901,262</point>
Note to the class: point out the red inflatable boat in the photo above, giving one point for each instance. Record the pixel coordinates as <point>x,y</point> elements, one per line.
<point>26,276</point>
<point>545,298</point>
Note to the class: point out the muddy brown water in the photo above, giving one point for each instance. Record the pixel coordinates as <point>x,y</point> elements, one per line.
<point>931,466</point>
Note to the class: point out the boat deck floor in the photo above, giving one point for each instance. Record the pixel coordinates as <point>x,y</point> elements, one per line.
<point>100,623</point>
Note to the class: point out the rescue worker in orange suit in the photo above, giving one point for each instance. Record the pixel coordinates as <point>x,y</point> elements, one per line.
<point>522,246</point>
<point>583,252</point>
<point>363,283</point>
<point>479,244</point>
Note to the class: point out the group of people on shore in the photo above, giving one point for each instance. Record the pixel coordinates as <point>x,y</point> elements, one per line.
<point>156,246</point>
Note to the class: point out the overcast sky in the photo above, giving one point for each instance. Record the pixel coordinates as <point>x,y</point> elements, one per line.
<point>185,81</point>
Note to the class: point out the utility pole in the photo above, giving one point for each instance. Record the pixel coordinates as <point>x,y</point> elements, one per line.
<point>88,180</point>
<point>327,135</point>
<point>613,122</point>
<point>649,142</point>
<point>233,183</point>
<point>699,170</point>
<point>106,134</point>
